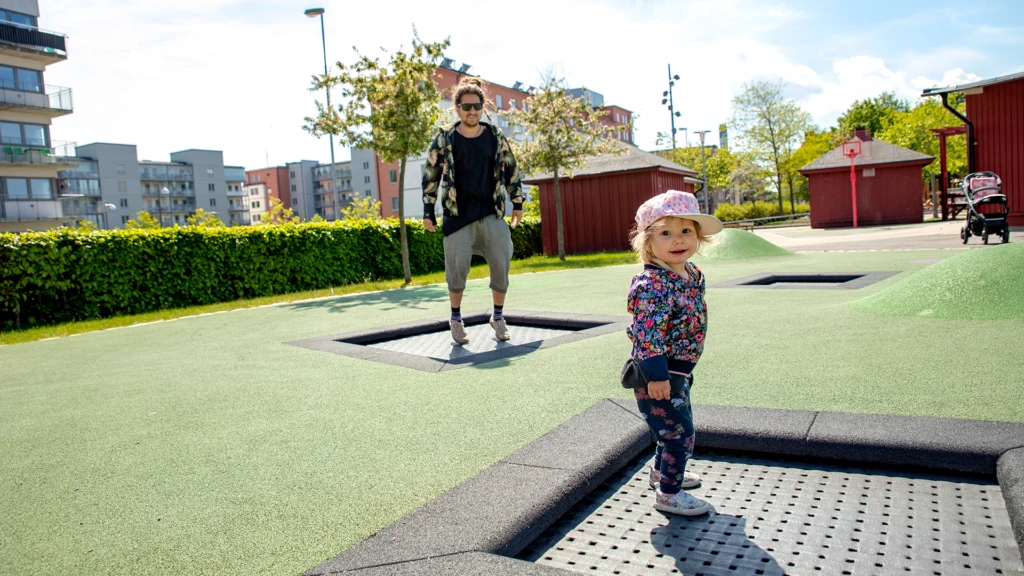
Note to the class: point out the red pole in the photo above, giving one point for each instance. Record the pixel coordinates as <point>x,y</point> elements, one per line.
<point>944,178</point>
<point>853,185</point>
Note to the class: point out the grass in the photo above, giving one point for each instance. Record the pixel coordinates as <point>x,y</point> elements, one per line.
<point>525,266</point>
<point>209,446</point>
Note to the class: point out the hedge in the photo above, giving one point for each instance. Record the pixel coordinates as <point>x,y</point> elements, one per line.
<point>750,210</point>
<point>67,275</point>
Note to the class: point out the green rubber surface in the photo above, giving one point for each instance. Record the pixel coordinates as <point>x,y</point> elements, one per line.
<point>206,445</point>
<point>981,284</point>
<point>731,243</point>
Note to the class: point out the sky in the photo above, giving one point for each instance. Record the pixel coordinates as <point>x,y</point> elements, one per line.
<point>234,75</point>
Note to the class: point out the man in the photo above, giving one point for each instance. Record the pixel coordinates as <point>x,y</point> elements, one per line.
<point>472,165</point>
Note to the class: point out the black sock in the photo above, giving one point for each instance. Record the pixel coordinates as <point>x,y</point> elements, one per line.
<point>498,311</point>
<point>457,314</point>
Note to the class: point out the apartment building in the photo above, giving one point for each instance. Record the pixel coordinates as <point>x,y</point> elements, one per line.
<point>301,187</point>
<point>257,200</point>
<point>29,156</point>
<point>238,205</point>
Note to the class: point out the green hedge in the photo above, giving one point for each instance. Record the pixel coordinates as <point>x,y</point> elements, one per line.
<point>751,210</point>
<point>68,275</point>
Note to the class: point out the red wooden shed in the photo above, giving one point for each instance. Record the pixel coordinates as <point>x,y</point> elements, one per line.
<point>888,185</point>
<point>600,201</point>
<point>995,123</point>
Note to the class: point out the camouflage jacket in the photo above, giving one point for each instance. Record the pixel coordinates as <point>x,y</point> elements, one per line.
<point>439,172</point>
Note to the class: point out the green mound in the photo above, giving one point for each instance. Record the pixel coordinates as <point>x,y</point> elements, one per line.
<point>733,243</point>
<point>980,284</point>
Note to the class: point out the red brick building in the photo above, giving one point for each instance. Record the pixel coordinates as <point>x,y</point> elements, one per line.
<point>276,180</point>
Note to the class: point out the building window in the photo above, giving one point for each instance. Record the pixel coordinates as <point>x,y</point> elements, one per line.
<point>366,165</point>
<point>18,18</point>
<point>257,203</point>
<point>257,176</point>
<point>295,201</point>
<point>392,176</point>
<point>394,201</point>
<point>367,193</point>
<point>512,103</point>
<point>293,173</point>
<point>23,134</point>
<point>124,219</point>
<point>293,187</point>
<point>366,179</point>
<point>213,201</point>
<point>256,217</point>
<point>524,105</point>
<point>209,171</point>
<point>122,186</point>
<point>20,79</point>
<point>120,170</point>
<point>124,202</point>
<point>497,100</point>
<point>212,187</point>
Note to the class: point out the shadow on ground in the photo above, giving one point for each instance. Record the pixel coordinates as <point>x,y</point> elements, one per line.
<point>418,298</point>
<point>712,544</point>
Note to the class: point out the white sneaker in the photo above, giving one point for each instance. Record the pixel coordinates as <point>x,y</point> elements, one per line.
<point>690,479</point>
<point>500,329</point>
<point>458,332</point>
<point>682,503</point>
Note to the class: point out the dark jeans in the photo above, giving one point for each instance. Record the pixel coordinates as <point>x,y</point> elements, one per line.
<point>671,421</point>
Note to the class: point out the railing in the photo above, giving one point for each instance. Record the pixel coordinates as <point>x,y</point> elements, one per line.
<point>29,209</point>
<point>234,175</point>
<point>752,222</point>
<point>84,170</point>
<point>17,151</point>
<point>36,96</point>
<point>34,38</point>
<point>166,174</point>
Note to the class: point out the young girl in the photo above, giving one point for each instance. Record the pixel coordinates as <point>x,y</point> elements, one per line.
<point>669,323</point>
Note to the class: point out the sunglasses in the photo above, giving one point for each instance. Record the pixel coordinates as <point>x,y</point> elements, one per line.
<point>468,107</point>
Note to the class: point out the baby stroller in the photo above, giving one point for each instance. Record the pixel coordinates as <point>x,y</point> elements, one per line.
<point>985,189</point>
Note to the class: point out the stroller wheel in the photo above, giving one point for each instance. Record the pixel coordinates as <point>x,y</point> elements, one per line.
<point>1006,235</point>
<point>984,237</point>
<point>964,234</point>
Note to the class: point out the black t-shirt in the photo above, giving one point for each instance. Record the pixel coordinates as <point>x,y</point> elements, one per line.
<point>474,179</point>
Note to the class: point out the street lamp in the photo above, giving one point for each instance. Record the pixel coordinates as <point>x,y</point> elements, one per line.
<point>103,208</point>
<point>160,203</point>
<point>313,13</point>
<point>667,100</point>
<point>703,169</point>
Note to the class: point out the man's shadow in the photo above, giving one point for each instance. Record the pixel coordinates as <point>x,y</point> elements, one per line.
<point>712,544</point>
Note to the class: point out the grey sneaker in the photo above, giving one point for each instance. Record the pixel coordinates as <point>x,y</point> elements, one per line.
<point>682,503</point>
<point>690,479</point>
<point>500,329</point>
<point>458,332</point>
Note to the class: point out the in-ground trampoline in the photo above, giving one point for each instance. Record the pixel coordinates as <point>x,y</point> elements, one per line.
<point>796,492</point>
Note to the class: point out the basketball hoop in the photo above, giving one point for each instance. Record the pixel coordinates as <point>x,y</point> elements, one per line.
<point>852,149</point>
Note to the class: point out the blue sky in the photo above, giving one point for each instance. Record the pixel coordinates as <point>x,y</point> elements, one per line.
<point>233,74</point>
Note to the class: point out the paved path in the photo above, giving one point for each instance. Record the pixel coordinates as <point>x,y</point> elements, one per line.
<point>928,236</point>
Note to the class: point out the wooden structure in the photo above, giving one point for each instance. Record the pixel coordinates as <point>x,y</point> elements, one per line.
<point>599,203</point>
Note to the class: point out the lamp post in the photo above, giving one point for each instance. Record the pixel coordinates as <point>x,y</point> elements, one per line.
<point>667,99</point>
<point>160,203</point>
<point>105,207</point>
<point>703,169</point>
<point>313,13</point>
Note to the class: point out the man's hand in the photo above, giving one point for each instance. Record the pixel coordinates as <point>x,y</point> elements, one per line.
<point>429,225</point>
<point>659,389</point>
<point>517,216</point>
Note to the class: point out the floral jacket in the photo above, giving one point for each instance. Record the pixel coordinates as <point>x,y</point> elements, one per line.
<point>439,172</point>
<point>670,320</point>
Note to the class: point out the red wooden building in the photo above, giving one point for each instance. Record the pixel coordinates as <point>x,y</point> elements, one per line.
<point>995,125</point>
<point>600,201</point>
<point>888,185</point>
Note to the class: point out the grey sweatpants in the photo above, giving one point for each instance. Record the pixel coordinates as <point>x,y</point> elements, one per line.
<point>490,238</point>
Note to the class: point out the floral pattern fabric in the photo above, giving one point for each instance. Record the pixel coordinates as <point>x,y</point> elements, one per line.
<point>669,314</point>
<point>671,421</point>
<point>439,173</point>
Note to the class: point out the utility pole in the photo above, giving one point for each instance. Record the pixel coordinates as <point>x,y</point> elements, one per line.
<point>703,169</point>
<point>667,99</point>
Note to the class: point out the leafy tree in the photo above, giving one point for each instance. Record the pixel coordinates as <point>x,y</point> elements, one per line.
<point>816,144</point>
<point>770,126</point>
<point>390,108</point>
<point>719,163</point>
<point>365,208</point>
<point>278,214</point>
<point>747,179</point>
<point>563,132</point>
<point>204,219</point>
<point>875,114</point>
<point>143,219</point>
<point>317,218</point>
<point>531,209</point>
<point>87,226</point>
<point>913,129</point>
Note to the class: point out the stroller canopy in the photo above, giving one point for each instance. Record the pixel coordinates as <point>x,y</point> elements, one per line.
<point>982,185</point>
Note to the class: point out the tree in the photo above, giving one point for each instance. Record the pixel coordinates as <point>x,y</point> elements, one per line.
<point>746,179</point>
<point>816,144</point>
<point>365,208</point>
<point>875,114</point>
<point>87,226</point>
<point>719,163</point>
<point>770,126</point>
<point>392,109</point>
<point>204,219</point>
<point>278,214</point>
<point>142,219</point>
<point>531,209</point>
<point>561,133</point>
<point>317,218</point>
<point>913,129</point>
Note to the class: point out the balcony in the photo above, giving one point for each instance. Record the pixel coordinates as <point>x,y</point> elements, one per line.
<point>55,154</point>
<point>33,43</point>
<point>49,101</point>
<point>149,192</point>
<point>29,210</point>
<point>164,173</point>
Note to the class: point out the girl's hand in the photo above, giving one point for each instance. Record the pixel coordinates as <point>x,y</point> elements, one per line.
<point>659,389</point>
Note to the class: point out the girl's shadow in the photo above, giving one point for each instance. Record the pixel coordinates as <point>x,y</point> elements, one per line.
<point>712,544</point>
